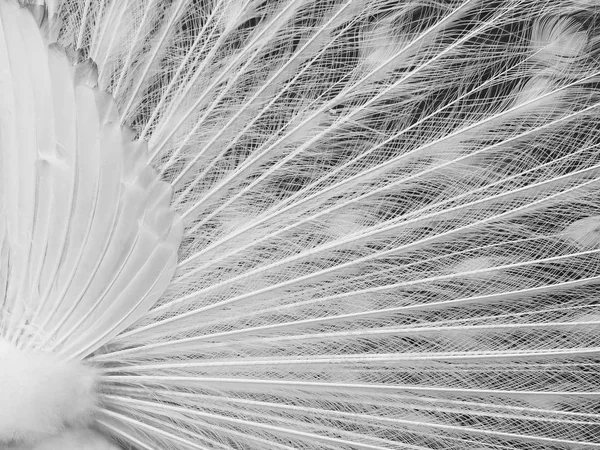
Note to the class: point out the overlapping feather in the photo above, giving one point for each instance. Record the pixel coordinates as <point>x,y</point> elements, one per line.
<point>391,215</point>
<point>88,239</point>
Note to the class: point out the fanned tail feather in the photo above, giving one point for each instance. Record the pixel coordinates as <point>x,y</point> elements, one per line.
<point>392,222</point>
<point>88,239</point>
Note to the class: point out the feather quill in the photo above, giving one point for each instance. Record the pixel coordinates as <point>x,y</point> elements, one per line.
<point>389,221</point>
<point>89,241</point>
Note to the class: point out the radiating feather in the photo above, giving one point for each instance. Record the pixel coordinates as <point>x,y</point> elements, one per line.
<point>69,170</point>
<point>391,214</point>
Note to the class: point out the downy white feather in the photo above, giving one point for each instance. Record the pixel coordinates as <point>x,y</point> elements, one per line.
<point>391,219</point>
<point>41,395</point>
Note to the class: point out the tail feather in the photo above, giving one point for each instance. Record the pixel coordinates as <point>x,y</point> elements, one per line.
<point>72,251</point>
<point>390,216</point>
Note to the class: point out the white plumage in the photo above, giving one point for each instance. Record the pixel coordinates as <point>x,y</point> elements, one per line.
<point>296,224</point>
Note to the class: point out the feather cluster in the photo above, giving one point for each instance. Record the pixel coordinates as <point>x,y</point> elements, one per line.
<point>88,241</point>
<point>390,213</point>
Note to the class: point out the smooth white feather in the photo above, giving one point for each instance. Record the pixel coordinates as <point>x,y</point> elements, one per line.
<point>391,222</point>
<point>89,241</point>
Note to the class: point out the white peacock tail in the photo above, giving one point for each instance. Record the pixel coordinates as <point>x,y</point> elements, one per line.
<point>356,224</point>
